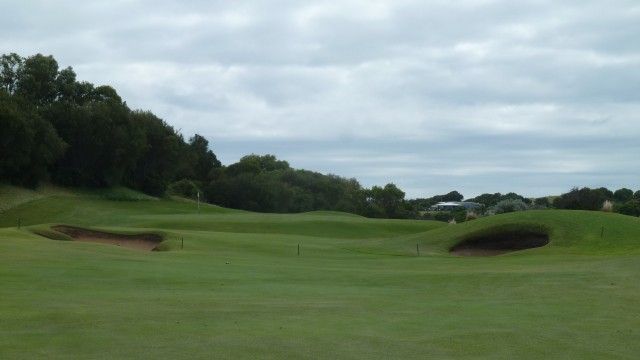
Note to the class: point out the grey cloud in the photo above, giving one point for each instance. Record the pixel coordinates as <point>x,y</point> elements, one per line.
<point>474,95</point>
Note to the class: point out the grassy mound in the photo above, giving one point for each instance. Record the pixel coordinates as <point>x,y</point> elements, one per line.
<point>569,232</point>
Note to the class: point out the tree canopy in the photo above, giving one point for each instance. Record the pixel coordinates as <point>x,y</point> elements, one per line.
<point>54,127</point>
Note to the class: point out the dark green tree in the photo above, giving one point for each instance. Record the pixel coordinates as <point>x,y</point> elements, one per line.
<point>387,202</point>
<point>29,145</point>
<point>11,64</point>
<point>631,207</point>
<point>37,79</point>
<point>582,199</point>
<point>487,199</point>
<point>203,160</point>
<point>542,201</point>
<point>623,195</point>
<point>105,144</point>
<point>163,150</point>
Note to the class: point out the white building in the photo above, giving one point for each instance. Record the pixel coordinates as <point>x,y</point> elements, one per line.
<point>453,205</point>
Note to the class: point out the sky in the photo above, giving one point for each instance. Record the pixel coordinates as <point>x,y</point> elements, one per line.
<point>479,96</point>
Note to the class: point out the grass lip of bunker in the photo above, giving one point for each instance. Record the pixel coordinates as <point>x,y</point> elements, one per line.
<point>146,241</point>
<point>500,242</point>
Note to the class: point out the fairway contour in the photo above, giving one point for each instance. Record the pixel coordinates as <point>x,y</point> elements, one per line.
<point>500,242</point>
<point>148,242</point>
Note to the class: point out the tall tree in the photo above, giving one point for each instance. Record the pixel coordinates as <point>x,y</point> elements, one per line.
<point>203,160</point>
<point>105,143</point>
<point>37,79</point>
<point>29,145</point>
<point>623,195</point>
<point>11,64</point>
<point>163,149</point>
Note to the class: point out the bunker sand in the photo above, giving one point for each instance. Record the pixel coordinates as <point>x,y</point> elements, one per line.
<point>147,242</point>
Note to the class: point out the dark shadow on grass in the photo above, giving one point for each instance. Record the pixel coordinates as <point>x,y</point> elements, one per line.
<point>499,243</point>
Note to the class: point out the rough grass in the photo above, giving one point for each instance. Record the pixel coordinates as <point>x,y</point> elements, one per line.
<point>357,290</point>
<point>12,196</point>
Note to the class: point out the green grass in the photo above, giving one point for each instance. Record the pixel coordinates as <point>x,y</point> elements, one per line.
<point>357,290</point>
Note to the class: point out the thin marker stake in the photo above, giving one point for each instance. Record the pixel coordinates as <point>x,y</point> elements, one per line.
<point>298,249</point>
<point>418,249</point>
<point>602,232</point>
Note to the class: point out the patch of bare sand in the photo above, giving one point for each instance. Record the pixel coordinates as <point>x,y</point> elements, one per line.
<point>147,242</point>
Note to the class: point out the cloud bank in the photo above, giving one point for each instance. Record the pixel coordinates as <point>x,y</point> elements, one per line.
<point>476,95</point>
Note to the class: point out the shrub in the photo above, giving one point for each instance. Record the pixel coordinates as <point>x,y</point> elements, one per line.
<point>442,216</point>
<point>471,216</point>
<point>479,210</point>
<point>459,215</point>
<point>184,188</point>
<point>509,205</point>
<point>542,202</point>
<point>631,207</point>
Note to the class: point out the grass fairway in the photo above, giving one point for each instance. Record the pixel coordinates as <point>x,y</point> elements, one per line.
<point>357,290</point>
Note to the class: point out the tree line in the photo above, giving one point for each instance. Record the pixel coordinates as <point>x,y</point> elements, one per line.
<point>266,184</point>
<point>74,133</point>
<point>624,201</point>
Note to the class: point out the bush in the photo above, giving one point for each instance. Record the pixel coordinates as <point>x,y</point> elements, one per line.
<point>479,210</point>
<point>459,215</point>
<point>542,202</point>
<point>509,205</point>
<point>442,216</point>
<point>471,216</point>
<point>184,188</point>
<point>631,207</point>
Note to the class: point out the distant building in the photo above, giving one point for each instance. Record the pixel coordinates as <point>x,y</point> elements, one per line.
<point>453,205</point>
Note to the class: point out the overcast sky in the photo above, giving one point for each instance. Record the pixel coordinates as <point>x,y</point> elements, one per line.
<point>477,96</point>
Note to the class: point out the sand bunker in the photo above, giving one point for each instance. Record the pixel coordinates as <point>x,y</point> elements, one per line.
<point>147,242</point>
<point>499,243</point>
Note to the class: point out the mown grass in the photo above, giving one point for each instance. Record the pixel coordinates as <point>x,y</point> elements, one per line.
<point>238,289</point>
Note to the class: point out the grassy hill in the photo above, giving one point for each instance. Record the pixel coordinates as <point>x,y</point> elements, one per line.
<point>357,289</point>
